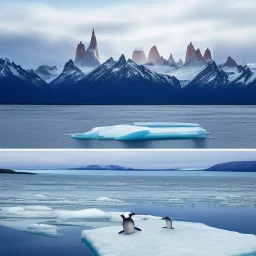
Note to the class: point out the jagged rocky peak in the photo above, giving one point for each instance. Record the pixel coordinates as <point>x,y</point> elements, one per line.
<point>9,71</point>
<point>46,67</point>
<point>189,53</point>
<point>198,54</point>
<point>194,60</point>
<point>94,45</point>
<point>80,53</point>
<point>121,61</point>
<point>171,60</point>
<point>139,57</point>
<point>230,62</point>
<point>180,63</point>
<point>164,61</point>
<point>69,76</point>
<point>6,68</point>
<point>47,73</point>
<point>154,56</point>
<point>89,57</point>
<point>207,55</point>
<point>70,65</point>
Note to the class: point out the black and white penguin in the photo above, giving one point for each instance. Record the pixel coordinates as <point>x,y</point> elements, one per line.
<point>128,224</point>
<point>168,222</point>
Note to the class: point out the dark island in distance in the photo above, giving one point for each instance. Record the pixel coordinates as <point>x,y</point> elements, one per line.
<point>8,171</point>
<point>235,166</point>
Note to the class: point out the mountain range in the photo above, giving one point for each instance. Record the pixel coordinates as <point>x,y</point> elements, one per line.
<point>235,166</point>
<point>125,82</point>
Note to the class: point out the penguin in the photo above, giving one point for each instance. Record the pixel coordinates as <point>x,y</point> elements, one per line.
<point>128,224</point>
<point>168,222</point>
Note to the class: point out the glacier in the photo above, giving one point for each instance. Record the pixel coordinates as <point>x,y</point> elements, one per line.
<point>186,238</point>
<point>145,131</point>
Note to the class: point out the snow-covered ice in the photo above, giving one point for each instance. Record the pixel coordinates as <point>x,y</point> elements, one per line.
<point>44,229</point>
<point>83,214</point>
<point>32,211</point>
<point>187,238</point>
<point>145,131</point>
<point>165,124</point>
<point>107,199</point>
<point>41,211</point>
<point>40,196</point>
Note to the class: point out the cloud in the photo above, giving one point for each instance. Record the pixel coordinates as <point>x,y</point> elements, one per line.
<point>51,32</point>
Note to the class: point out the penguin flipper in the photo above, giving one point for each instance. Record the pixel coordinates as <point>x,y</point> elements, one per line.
<point>137,229</point>
<point>121,232</point>
<point>172,228</point>
<point>164,227</point>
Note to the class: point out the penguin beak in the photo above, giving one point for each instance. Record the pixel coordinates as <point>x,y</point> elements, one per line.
<point>163,218</point>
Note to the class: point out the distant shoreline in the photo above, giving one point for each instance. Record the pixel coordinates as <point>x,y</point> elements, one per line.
<point>8,171</point>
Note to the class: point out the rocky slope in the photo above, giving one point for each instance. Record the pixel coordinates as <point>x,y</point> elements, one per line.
<point>70,75</point>
<point>19,85</point>
<point>47,73</point>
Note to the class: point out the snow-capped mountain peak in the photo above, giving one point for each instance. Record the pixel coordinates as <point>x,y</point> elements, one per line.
<point>9,70</point>
<point>70,75</point>
<point>121,61</point>
<point>230,62</point>
<point>125,72</point>
<point>47,73</point>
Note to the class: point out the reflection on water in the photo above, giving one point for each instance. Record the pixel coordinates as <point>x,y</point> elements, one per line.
<point>49,126</point>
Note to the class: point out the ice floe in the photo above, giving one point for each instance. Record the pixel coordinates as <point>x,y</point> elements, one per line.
<point>187,238</point>
<point>145,131</point>
<point>32,211</point>
<point>88,214</point>
<point>40,196</point>
<point>107,199</point>
<point>41,211</point>
<point>43,229</point>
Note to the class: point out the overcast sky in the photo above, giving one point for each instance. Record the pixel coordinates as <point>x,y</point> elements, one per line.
<point>35,32</point>
<point>128,158</point>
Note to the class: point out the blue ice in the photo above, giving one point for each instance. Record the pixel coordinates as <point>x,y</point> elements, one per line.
<point>145,131</point>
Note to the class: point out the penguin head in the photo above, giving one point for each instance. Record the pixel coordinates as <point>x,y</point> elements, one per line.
<point>165,218</point>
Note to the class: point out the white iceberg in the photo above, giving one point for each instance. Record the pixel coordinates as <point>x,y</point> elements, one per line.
<point>32,211</point>
<point>108,199</point>
<point>145,131</point>
<point>190,239</point>
<point>43,229</point>
<point>40,196</point>
<point>88,214</point>
<point>41,211</point>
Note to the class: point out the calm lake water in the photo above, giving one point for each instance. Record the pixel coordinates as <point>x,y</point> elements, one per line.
<point>222,200</point>
<point>48,126</point>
